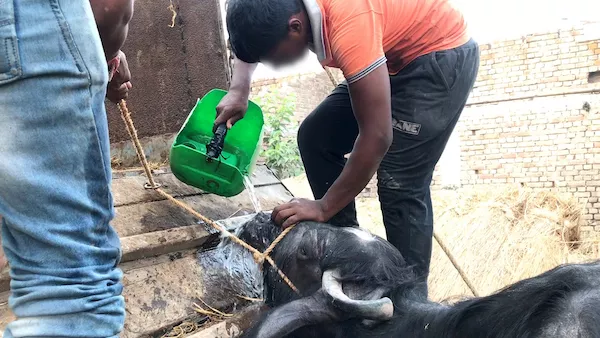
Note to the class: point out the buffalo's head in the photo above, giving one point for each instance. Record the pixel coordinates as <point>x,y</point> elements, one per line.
<point>350,266</point>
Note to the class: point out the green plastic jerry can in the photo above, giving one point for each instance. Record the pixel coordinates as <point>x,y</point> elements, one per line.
<point>216,162</point>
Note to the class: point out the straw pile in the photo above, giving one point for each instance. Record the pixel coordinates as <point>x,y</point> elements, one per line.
<point>503,235</point>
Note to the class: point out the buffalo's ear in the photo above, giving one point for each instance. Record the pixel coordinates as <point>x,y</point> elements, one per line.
<point>292,316</point>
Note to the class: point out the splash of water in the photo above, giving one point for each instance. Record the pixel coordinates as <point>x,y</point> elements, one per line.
<point>252,193</point>
<point>229,271</point>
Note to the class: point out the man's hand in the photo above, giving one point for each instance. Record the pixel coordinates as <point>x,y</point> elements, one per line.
<point>232,108</point>
<point>299,209</point>
<point>119,81</point>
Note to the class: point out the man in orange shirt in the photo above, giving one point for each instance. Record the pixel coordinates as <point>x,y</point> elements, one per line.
<point>409,67</point>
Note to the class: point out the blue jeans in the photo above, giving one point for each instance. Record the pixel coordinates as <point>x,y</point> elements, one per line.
<point>55,175</point>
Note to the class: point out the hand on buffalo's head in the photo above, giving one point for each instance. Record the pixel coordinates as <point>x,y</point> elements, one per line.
<point>297,210</point>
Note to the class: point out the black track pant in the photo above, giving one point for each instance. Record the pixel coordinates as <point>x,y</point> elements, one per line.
<point>428,96</point>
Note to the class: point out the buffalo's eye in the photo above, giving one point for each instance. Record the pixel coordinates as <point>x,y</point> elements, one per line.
<point>302,254</point>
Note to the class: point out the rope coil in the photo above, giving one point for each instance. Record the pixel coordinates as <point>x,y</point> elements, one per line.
<point>259,257</point>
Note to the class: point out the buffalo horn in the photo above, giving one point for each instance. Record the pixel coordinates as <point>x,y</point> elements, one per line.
<point>378,309</point>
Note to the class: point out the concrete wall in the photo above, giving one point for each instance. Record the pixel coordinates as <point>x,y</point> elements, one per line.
<point>171,66</point>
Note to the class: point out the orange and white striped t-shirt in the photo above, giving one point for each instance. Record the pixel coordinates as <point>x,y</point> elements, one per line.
<point>358,36</point>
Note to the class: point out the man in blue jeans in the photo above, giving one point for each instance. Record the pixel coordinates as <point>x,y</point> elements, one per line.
<point>55,197</point>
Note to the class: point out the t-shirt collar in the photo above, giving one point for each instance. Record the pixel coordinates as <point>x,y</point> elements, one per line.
<point>315,16</point>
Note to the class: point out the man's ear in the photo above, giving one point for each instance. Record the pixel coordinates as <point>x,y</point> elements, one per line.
<point>295,26</point>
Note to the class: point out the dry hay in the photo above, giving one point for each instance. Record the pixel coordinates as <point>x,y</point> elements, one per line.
<point>210,315</point>
<point>183,330</point>
<point>503,235</point>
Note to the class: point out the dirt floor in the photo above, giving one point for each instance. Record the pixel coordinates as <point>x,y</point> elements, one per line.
<point>497,236</point>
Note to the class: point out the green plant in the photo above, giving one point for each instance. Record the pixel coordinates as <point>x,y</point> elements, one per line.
<point>280,150</point>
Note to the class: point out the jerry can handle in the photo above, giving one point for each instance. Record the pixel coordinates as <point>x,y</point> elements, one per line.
<point>215,146</point>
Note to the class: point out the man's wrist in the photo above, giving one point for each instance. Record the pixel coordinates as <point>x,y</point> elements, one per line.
<point>326,208</point>
<point>242,91</point>
<point>113,55</point>
<point>113,66</point>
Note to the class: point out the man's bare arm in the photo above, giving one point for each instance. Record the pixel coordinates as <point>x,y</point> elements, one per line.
<point>371,103</point>
<point>372,107</point>
<point>242,76</point>
<point>112,18</point>
<point>233,106</point>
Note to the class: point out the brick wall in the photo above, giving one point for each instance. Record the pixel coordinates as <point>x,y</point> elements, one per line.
<point>533,118</point>
<point>535,64</point>
<point>542,143</point>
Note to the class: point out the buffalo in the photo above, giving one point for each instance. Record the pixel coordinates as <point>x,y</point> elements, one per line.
<point>354,284</point>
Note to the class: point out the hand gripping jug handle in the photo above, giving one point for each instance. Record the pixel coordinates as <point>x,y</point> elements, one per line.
<point>215,146</point>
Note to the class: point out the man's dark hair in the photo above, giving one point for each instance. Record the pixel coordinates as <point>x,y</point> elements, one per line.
<point>257,26</point>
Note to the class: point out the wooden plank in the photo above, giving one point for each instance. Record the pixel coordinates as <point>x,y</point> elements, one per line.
<point>162,242</point>
<point>130,189</point>
<point>160,292</point>
<point>166,241</point>
<point>136,219</point>
<point>153,244</point>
